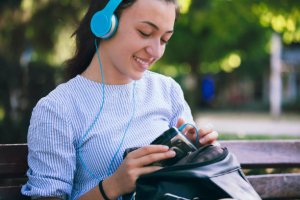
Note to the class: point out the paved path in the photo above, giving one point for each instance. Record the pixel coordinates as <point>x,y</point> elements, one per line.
<point>250,123</point>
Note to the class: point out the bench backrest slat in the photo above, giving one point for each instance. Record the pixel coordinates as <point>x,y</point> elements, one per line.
<point>263,154</point>
<point>13,160</point>
<point>12,193</point>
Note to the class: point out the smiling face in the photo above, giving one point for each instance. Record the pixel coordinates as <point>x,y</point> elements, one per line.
<point>143,31</point>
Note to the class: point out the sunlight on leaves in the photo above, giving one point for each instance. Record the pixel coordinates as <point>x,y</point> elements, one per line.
<point>27,5</point>
<point>2,113</point>
<point>64,47</point>
<point>210,67</point>
<point>291,25</point>
<point>288,37</point>
<point>170,70</point>
<point>184,5</point>
<point>284,23</point>
<point>230,62</point>
<point>27,9</point>
<point>278,23</point>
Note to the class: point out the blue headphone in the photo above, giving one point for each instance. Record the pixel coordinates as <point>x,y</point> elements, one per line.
<point>104,23</point>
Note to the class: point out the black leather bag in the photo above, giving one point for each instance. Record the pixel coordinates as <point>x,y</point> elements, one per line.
<point>211,172</point>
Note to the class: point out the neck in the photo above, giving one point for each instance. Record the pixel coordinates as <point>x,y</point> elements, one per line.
<point>93,71</point>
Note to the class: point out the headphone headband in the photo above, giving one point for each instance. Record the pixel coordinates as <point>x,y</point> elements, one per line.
<point>111,6</point>
<point>104,23</point>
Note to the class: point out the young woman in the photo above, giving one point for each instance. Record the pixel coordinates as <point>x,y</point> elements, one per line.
<point>79,132</point>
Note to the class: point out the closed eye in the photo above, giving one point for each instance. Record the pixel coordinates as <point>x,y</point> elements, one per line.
<point>144,34</point>
<point>164,41</point>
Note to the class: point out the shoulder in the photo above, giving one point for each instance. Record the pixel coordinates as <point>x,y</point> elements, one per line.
<point>161,80</point>
<point>150,75</point>
<point>59,99</point>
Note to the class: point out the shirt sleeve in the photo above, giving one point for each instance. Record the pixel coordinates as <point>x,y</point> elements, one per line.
<point>51,153</point>
<point>180,107</point>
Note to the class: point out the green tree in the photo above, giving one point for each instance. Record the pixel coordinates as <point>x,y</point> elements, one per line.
<point>213,36</point>
<point>30,31</point>
<point>218,36</point>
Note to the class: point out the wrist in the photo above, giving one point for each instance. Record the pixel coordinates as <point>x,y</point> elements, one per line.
<point>102,191</point>
<point>108,191</point>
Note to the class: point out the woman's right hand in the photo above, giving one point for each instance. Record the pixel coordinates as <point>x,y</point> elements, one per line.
<point>134,165</point>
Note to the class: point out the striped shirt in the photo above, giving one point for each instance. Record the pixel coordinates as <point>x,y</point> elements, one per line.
<point>71,149</point>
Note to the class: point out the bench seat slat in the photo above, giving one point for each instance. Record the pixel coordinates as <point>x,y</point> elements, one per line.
<point>13,170</point>
<point>13,160</point>
<point>276,185</point>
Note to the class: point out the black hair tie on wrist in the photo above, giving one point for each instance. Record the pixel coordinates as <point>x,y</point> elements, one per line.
<point>102,190</point>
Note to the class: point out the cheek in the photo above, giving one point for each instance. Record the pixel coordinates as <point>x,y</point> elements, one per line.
<point>162,51</point>
<point>128,41</point>
<point>131,45</point>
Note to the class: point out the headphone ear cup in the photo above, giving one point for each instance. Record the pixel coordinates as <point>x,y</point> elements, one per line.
<point>103,26</point>
<point>113,28</point>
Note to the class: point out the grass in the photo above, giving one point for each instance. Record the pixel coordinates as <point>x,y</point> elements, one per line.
<point>271,171</point>
<point>257,137</point>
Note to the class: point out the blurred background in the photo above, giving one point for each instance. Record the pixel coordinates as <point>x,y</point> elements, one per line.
<point>238,62</point>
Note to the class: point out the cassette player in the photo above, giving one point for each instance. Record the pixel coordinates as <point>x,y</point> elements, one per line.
<point>176,141</point>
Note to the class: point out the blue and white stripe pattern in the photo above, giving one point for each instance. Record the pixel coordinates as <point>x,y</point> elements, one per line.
<point>59,121</point>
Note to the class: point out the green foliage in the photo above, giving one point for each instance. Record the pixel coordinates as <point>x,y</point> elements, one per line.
<point>9,4</point>
<point>231,36</point>
<point>214,36</point>
<point>211,30</point>
<point>257,137</point>
<point>29,34</point>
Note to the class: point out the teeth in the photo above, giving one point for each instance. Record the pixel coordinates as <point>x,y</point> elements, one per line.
<point>141,61</point>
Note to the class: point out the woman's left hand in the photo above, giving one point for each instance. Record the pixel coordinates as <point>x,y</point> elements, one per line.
<point>206,135</point>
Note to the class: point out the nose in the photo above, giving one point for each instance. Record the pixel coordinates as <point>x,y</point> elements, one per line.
<point>155,49</point>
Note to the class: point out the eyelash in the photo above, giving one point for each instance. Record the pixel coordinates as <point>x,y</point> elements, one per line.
<point>144,34</point>
<point>164,41</point>
<point>148,35</point>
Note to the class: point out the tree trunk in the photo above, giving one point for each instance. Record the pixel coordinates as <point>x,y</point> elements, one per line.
<point>275,79</point>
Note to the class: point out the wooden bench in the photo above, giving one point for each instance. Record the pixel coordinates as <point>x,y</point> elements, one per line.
<point>270,155</point>
<point>13,167</point>
<point>251,154</point>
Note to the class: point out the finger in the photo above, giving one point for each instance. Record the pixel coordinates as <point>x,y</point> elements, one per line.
<point>189,129</point>
<point>209,138</point>
<point>216,143</point>
<point>191,137</point>
<point>147,170</point>
<point>151,158</point>
<point>146,150</point>
<point>208,128</point>
<point>191,134</point>
<point>180,122</point>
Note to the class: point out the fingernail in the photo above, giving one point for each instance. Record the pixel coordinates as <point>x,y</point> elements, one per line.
<point>215,143</point>
<point>202,140</point>
<point>172,153</point>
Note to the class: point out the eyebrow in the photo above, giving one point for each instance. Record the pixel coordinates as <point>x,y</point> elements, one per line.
<point>155,26</point>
